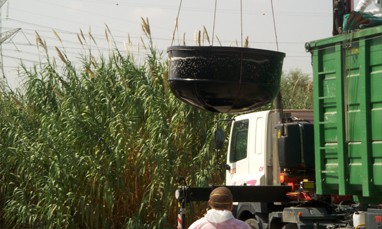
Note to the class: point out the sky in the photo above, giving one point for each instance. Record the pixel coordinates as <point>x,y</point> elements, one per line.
<point>296,22</point>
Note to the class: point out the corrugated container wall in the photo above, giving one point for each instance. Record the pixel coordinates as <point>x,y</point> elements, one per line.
<point>347,75</point>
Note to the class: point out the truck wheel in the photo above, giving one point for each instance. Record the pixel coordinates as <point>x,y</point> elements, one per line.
<point>252,223</point>
<point>290,226</point>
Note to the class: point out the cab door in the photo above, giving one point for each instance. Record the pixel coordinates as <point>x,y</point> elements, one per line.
<point>256,168</point>
<point>237,158</point>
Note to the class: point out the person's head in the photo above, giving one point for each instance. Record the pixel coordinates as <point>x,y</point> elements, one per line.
<point>221,199</point>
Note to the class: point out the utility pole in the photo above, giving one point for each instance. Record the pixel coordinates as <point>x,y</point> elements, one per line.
<point>3,37</point>
<point>2,2</point>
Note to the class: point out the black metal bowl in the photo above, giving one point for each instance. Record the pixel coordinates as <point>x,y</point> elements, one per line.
<point>224,79</point>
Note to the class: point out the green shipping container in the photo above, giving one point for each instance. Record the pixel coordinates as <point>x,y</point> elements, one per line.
<point>347,74</point>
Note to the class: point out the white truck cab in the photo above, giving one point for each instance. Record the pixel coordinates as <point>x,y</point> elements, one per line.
<point>252,156</point>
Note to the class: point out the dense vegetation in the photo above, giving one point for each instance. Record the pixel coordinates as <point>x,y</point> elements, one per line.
<point>297,89</point>
<point>102,146</point>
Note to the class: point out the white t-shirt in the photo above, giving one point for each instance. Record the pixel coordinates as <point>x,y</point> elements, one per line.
<point>376,10</point>
<point>219,219</point>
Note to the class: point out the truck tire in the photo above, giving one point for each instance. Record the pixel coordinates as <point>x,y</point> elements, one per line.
<point>290,226</point>
<point>252,222</point>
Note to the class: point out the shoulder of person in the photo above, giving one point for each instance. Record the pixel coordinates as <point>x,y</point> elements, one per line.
<point>197,223</point>
<point>243,225</point>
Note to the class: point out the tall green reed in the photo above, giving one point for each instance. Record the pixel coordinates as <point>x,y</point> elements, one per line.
<point>100,145</point>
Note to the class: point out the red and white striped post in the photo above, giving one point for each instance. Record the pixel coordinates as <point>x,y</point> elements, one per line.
<point>180,195</point>
<point>180,221</point>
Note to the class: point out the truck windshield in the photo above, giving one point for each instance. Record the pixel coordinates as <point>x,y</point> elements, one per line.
<point>239,139</point>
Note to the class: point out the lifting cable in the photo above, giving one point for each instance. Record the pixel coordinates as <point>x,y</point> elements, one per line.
<point>214,23</point>
<point>274,26</point>
<point>241,22</point>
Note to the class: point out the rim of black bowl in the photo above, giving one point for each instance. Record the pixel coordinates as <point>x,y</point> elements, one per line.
<point>227,49</point>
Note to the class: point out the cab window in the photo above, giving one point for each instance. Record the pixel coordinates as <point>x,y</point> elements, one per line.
<point>239,140</point>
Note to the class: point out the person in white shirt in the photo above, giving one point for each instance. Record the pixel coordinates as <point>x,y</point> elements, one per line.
<point>220,215</point>
<point>376,11</point>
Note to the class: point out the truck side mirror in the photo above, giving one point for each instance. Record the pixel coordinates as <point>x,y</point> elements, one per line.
<point>219,139</point>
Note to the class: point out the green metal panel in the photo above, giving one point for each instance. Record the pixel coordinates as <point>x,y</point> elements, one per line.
<point>347,74</point>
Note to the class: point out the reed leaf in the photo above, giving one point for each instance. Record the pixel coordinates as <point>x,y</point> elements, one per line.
<point>246,42</point>
<point>79,39</point>
<point>57,36</point>
<point>205,34</point>
<point>61,56</point>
